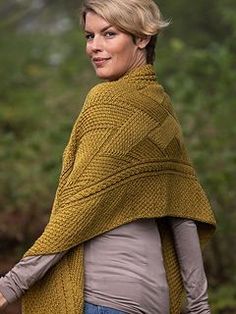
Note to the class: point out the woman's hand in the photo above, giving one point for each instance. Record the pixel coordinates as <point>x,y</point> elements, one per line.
<point>3,302</point>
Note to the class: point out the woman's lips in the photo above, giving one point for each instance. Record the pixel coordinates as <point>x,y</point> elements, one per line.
<point>100,61</point>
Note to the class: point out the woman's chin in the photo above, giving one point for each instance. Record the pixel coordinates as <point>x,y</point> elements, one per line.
<point>106,75</point>
<point>102,73</point>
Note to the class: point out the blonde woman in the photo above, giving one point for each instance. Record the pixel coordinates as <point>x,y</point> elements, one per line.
<point>130,217</point>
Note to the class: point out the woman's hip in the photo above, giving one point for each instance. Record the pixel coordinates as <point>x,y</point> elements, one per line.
<point>90,308</point>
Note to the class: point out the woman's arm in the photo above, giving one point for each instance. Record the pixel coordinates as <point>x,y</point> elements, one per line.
<point>23,275</point>
<point>191,263</point>
<point>3,302</point>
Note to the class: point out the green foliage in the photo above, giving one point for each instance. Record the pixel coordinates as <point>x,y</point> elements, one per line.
<point>201,22</point>
<point>223,300</point>
<point>44,80</point>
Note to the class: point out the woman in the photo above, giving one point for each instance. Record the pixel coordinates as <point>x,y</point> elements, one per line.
<point>123,236</point>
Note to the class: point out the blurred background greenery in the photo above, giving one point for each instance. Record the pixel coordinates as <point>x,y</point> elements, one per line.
<point>45,76</point>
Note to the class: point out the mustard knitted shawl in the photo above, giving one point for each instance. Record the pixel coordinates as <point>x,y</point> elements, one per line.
<point>125,160</point>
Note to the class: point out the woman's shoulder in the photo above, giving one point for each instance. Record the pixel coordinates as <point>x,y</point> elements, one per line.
<point>104,92</point>
<point>121,91</point>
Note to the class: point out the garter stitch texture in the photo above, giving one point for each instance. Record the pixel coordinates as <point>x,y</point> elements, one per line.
<point>125,160</point>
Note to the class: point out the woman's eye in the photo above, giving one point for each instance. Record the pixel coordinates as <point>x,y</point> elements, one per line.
<point>110,34</point>
<point>89,36</point>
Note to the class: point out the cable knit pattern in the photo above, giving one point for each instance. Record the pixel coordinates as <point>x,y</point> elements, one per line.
<point>125,160</point>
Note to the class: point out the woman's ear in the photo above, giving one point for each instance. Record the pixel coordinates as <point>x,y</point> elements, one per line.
<point>142,42</point>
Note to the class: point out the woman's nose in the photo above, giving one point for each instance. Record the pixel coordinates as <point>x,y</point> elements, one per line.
<point>96,44</point>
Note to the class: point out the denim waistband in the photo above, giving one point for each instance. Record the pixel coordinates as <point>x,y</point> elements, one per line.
<point>90,308</point>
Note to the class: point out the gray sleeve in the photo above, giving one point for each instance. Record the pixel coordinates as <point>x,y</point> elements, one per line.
<point>191,264</point>
<point>25,273</point>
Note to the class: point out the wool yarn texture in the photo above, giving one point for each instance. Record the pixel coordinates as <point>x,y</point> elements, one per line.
<point>125,159</point>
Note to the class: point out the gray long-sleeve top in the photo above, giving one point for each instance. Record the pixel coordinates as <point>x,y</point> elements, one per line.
<point>30,269</point>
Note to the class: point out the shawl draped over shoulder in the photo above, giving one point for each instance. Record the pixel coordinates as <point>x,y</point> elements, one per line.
<point>125,159</point>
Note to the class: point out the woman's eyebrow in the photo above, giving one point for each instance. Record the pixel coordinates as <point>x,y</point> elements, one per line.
<point>102,30</point>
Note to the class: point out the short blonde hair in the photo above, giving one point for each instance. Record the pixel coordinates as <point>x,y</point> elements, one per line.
<point>139,18</point>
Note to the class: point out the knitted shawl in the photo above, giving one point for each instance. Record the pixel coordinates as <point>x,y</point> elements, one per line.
<point>125,160</point>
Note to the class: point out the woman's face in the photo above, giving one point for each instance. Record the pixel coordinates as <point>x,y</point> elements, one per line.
<point>112,52</point>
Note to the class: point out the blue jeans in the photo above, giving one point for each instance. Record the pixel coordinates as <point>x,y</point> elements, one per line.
<point>90,308</point>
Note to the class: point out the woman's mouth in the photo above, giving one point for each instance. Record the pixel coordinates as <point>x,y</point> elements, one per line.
<point>100,61</point>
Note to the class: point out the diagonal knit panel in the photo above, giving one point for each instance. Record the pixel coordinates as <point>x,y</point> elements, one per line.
<point>125,160</point>
<point>128,135</point>
<point>165,133</point>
